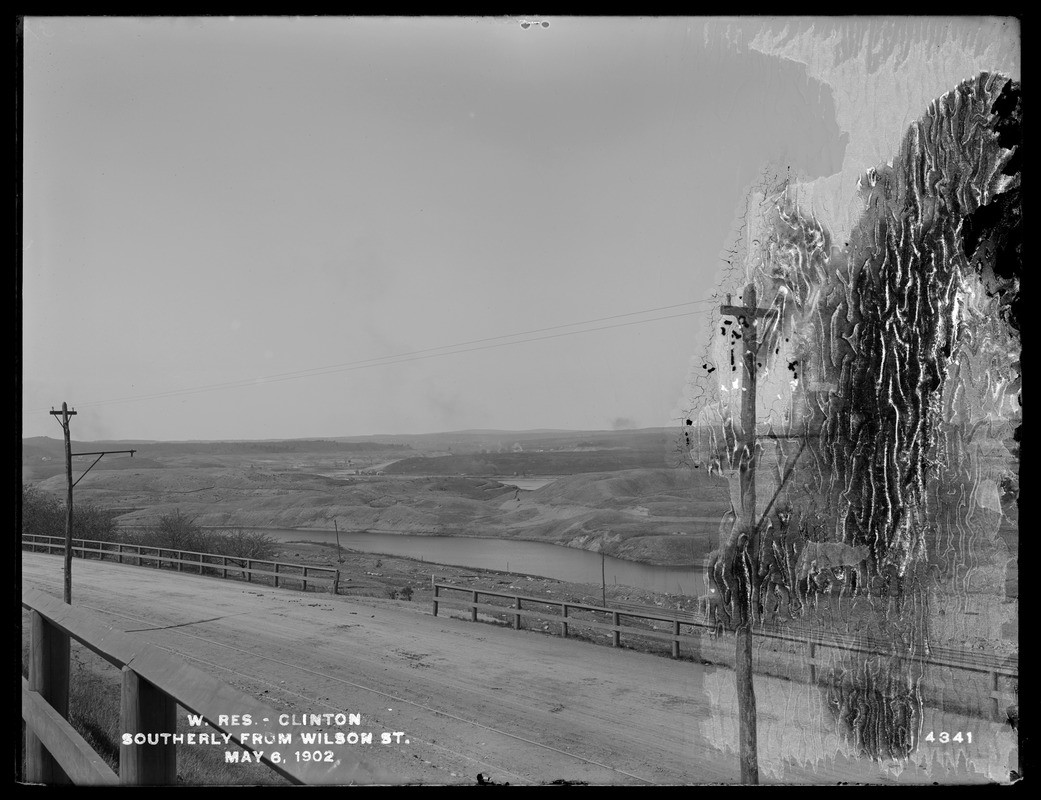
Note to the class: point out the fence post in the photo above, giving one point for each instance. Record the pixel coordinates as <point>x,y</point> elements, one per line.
<point>224,567</point>
<point>336,582</point>
<point>180,560</point>
<point>146,709</point>
<point>676,641</point>
<point>615,635</point>
<point>516,617</point>
<point>305,579</point>
<point>436,587</point>
<point>276,574</point>
<point>249,570</point>
<point>563,625</point>
<point>813,663</point>
<point>48,675</point>
<point>119,553</point>
<point>473,611</point>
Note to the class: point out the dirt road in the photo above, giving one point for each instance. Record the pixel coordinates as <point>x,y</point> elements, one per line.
<point>519,707</point>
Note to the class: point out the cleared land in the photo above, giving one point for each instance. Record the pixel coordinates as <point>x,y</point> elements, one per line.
<point>621,488</point>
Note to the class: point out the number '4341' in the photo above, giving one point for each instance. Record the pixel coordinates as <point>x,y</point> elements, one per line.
<point>943,737</point>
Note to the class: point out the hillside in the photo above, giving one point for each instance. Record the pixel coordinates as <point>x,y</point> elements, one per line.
<point>538,463</point>
<point>612,488</point>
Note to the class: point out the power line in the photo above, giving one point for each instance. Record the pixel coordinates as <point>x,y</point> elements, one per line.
<point>417,355</point>
<point>401,358</point>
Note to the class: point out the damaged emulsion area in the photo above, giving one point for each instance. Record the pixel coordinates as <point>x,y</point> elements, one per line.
<point>915,326</point>
<point>943,223</point>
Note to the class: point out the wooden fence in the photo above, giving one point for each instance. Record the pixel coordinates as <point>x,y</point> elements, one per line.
<point>817,648</point>
<point>567,619</point>
<point>154,684</point>
<point>199,563</point>
<point>812,646</point>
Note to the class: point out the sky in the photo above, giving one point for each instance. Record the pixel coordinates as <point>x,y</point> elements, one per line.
<point>263,228</point>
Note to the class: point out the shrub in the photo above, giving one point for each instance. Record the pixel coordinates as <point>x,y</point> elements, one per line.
<point>240,543</point>
<point>233,542</point>
<point>41,514</point>
<point>178,532</point>
<point>91,522</point>
<point>44,514</point>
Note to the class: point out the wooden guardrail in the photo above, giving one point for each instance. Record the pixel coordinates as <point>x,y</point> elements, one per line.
<point>566,617</point>
<point>817,642</point>
<point>154,684</point>
<point>936,655</point>
<point>200,563</point>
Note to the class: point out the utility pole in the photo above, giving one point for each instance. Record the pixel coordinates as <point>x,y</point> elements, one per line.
<point>746,317</point>
<point>64,422</point>
<point>65,414</point>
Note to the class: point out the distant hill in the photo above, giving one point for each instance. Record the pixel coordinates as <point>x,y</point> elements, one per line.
<point>477,441</point>
<point>40,448</point>
<point>658,440</point>
<point>535,463</point>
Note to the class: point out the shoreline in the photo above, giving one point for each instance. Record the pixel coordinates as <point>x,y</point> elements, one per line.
<point>437,534</point>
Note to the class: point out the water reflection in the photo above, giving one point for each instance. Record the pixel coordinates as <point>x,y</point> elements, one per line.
<point>509,555</point>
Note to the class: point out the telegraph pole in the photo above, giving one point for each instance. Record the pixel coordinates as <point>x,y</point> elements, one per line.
<point>64,422</point>
<point>746,316</point>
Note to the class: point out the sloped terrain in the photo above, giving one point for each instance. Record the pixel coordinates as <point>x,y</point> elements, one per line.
<point>660,516</point>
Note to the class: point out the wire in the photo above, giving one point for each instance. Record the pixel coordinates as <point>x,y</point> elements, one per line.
<point>416,355</point>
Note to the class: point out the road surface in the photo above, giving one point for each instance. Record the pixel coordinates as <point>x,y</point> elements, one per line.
<point>518,706</point>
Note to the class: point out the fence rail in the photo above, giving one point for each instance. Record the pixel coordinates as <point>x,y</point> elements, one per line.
<point>684,628</point>
<point>565,618</point>
<point>199,563</point>
<point>152,688</point>
<point>817,643</point>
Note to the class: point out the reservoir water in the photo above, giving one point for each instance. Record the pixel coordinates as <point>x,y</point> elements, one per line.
<point>510,555</point>
<point>528,484</point>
